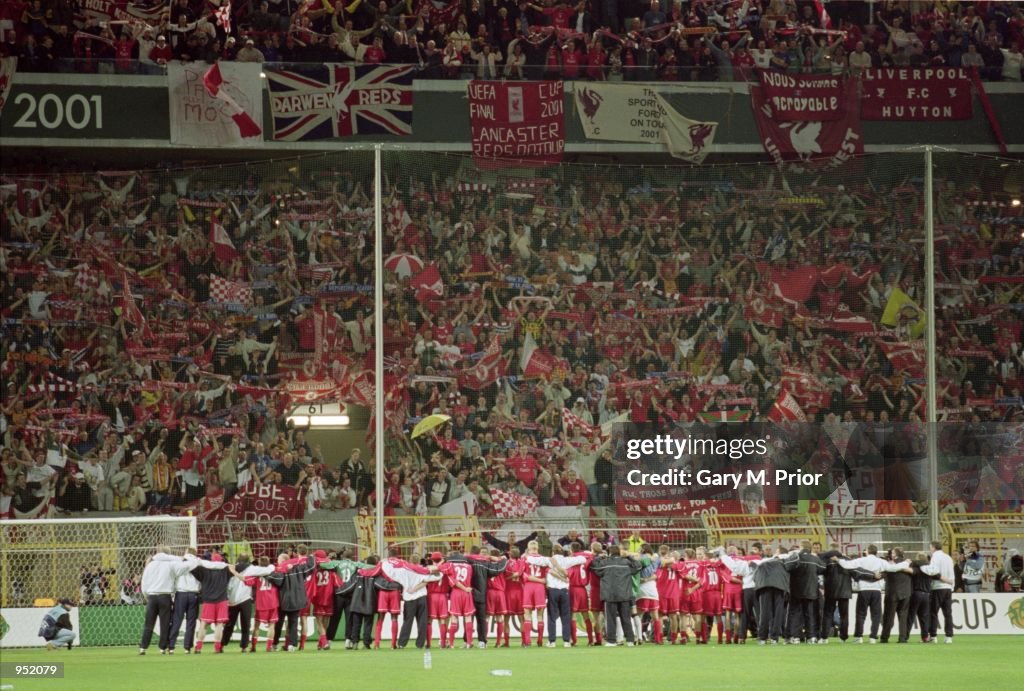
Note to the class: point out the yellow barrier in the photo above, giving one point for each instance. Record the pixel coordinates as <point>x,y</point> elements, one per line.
<point>782,529</point>
<point>419,535</point>
<point>990,529</point>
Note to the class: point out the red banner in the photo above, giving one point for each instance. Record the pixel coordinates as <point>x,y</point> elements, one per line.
<point>523,123</point>
<point>824,144</point>
<point>652,500</point>
<point>258,514</point>
<point>926,93</point>
<point>803,97</point>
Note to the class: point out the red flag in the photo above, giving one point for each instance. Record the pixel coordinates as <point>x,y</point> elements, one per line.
<point>545,365</point>
<point>824,144</point>
<point>213,81</point>
<point>222,245</point>
<point>796,285</point>
<point>427,283</point>
<point>905,355</point>
<point>488,370</point>
<point>132,313</point>
<point>786,409</point>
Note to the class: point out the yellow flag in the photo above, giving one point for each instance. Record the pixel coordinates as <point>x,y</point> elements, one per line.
<point>898,300</point>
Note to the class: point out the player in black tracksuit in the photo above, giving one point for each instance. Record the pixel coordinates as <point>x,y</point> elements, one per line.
<point>803,592</point>
<point>921,596</point>
<point>362,593</point>
<point>838,592</point>
<point>293,600</point>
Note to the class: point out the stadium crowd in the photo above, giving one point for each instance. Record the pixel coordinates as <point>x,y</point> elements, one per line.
<point>705,40</point>
<point>618,597</point>
<point>159,325</point>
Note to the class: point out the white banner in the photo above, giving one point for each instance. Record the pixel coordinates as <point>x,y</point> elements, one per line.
<point>19,626</point>
<point>200,119</point>
<point>626,113</point>
<point>982,613</point>
<point>8,68</point>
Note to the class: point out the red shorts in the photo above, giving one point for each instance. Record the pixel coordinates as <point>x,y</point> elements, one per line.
<point>514,600</point>
<point>389,602</point>
<point>578,598</point>
<point>535,596</point>
<point>670,605</point>
<point>323,610</point>
<point>647,605</point>
<point>691,604</point>
<point>461,604</point>
<point>596,603</point>
<point>267,616</point>
<point>496,602</point>
<point>733,601</point>
<point>306,611</point>
<point>214,612</point>
<point>437,605</point>
<point>712,602</point>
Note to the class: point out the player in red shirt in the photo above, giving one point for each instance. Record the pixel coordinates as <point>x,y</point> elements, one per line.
<point>389,602</point>
<point>579,578</point>
<point>732,601</point>
<point>322,600</point>
<point>438,593</point>
<point>596,603</point>
<point>460,604</point>
<point>514,590</point>
<point>497,602</point>
<point>690,600</point>
<point>668,590</point>
<point>715,575</point>
<point>535,596</point>
<point>267,601</point>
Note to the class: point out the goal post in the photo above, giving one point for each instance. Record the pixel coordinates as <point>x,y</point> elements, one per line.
<point>95,562</point>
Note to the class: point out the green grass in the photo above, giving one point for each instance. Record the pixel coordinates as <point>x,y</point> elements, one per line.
<point>985,662</point>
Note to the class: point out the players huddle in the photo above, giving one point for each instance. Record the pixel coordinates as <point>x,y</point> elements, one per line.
<point>620,597</point>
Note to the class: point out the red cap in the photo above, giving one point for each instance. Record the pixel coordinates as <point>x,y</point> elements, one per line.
<point>436,556</point>
<point>216,557</point>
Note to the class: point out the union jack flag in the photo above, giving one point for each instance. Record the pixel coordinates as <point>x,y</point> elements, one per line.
<point>332,100</point>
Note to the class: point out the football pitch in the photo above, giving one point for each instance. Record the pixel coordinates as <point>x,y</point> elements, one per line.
<point>987,662</point>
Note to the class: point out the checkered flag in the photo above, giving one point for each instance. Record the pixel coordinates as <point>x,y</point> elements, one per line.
<point>225,291</point>
<point>512,504</point>
<point>398,219</point>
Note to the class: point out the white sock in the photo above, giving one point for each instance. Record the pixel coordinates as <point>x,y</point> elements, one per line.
<point>638,626</point>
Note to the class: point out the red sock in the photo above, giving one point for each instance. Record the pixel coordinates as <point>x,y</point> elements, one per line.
<point>501,633</point>
<point>590,630</point>
<point>302,642</point>
<point>270,645</point>
<point>253,641</point>
<point>540,633</point>
<point>685,637</point>
<point>597,635</point>
<point>574,632</point>
<point>217,648</point>
<point>199,645</point>
<point>704,630</point>
<point>323,640</point>
<point>376,634</point>
<point>394,632</point>
<point>526,633</point>
<point>718,625</point>
<point>452,630</point>
<point>728,637</point>
<point>659,634</point>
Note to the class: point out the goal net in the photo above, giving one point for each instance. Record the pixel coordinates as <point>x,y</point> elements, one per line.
<point>96,562</point>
